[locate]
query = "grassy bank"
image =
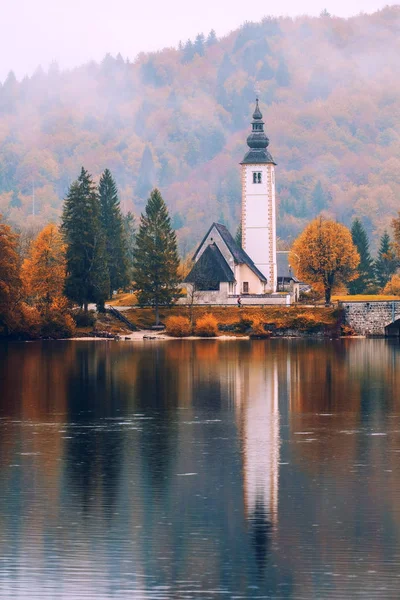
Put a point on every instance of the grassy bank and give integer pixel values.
(231, 318)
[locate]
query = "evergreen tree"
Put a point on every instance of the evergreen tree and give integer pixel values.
(15, 201)
(87, 274)
(188, 52)
(146, 177)
(111, 220)
(386, 263)
(155, 263)
(238, 235)
(365, 268)
(198, 46)
(128, 222)
(282, 74)
(211, 38)
(318, 197)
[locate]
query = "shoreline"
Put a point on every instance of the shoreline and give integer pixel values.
(149, 335)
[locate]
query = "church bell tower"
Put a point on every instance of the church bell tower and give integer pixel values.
(258, 202)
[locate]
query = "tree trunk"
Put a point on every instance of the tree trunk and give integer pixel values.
(328, 292)
(157, 314)
(85, 308)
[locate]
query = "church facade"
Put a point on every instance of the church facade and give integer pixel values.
(223, 270)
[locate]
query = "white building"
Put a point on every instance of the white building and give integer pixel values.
(222, 269)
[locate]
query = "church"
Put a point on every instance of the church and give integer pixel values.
(223, 270)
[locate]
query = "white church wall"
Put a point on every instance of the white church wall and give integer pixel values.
(244, 274)
(259, 219)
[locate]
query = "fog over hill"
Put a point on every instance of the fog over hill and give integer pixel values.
(179, 118)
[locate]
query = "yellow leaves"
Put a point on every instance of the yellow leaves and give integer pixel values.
(393, 286)
(43, 273)
(325, 254)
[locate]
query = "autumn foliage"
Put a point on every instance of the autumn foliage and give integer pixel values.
(178, 326)
(179, 118)
(324, 255)
(10, 283)
(206, 326)
(43, 273)
(393, 286)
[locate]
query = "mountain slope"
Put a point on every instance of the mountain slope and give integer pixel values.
(179, 119)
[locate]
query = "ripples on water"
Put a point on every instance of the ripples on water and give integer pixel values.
(208, 469)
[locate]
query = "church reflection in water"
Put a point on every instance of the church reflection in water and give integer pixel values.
(206, 463)
(256, 397)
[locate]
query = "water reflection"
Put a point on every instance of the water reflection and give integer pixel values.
(250, 469)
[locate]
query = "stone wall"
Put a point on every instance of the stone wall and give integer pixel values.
(370, 318)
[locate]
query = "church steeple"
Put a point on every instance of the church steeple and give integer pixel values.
(258, 202)
(257, 141)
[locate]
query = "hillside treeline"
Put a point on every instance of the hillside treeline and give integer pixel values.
(178, 119)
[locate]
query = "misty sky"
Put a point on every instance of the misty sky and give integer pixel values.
(36, 32)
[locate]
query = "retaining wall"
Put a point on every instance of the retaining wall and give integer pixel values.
(370, 318)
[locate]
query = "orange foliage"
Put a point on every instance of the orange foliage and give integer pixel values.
(178, 326)
(393, 286)
(43, 272)
(9, 277)
(324, 254)
(206, 326)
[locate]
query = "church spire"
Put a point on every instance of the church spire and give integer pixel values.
(257, 141)
(257, 113)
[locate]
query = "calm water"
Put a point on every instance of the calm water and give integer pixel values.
(207, 469)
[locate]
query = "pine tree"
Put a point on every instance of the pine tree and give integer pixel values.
(113, 228)
(211, 38)
(146, 178)
(318, 197)
(198, 46)
(282, 75)
(386, 263)
(87, 277)
(365, 268)
(156, 261)
(128, 222)
(238, 235)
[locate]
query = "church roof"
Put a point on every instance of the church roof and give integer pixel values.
(211, 268)
(282, 266)
(239, 255)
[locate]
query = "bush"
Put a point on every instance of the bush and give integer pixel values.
(206, 326)
(258, 330)
(393, 286)
(178, 326)
(83, 319)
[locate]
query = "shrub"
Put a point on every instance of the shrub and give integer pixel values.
(178, 326)
(393, 286)
(346, 330)
(244, 324)
(83, 319)
(206, 326)
(258, 330)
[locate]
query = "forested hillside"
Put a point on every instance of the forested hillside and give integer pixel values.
(329, 89)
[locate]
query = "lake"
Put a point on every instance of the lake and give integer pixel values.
(200, 469)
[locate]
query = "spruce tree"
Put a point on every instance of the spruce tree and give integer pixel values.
(112, 223)
(156, 261)
(147, 174)
(87, 277)
(386, 263)
(238, 235)
(365, 269)
(128, 222)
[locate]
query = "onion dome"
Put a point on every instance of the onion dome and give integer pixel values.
(257, 141)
